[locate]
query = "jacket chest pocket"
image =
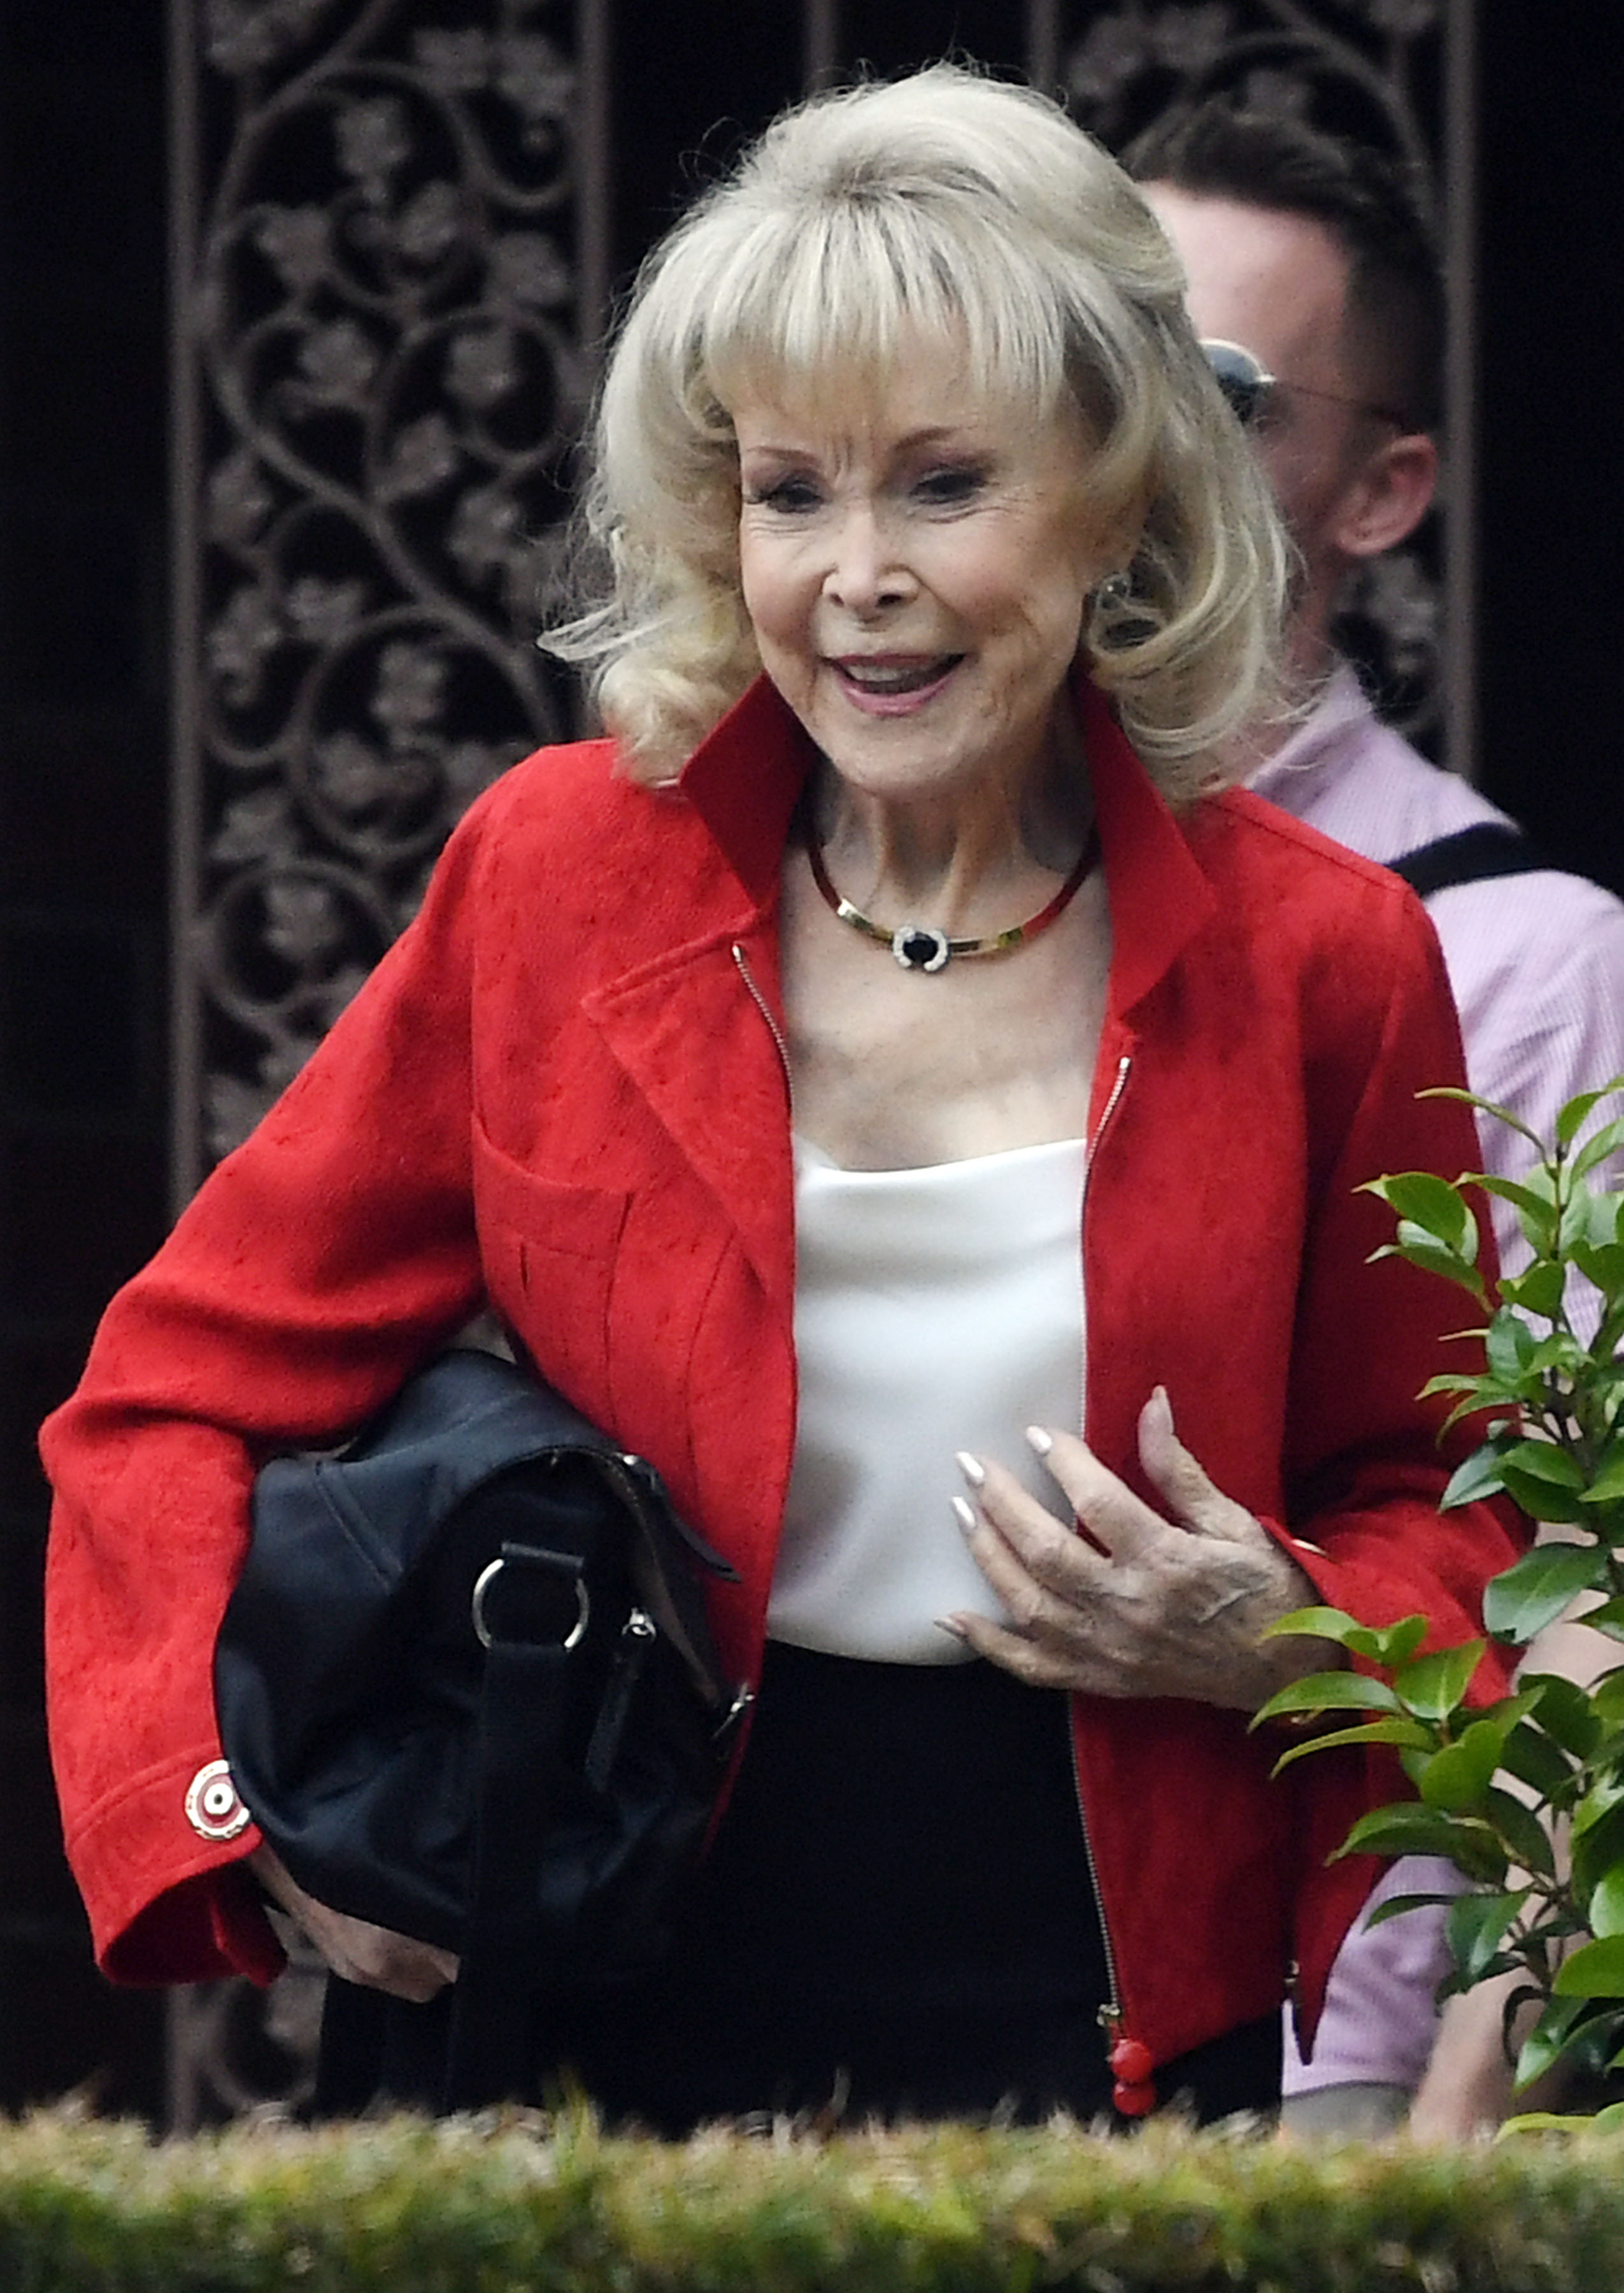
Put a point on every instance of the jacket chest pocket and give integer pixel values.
(549, 1249)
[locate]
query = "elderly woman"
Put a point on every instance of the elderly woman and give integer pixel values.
(888, 1085)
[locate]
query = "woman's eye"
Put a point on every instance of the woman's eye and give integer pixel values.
(789, 496)
(947, 489)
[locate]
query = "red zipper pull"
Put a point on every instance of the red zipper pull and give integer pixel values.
(1132, 2067)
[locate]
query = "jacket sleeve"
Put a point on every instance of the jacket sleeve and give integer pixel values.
(314, 1269)
(1365, 1462)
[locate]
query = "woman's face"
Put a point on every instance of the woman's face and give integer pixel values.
(914, 565)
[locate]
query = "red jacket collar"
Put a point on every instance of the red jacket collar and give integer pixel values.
(746, 776)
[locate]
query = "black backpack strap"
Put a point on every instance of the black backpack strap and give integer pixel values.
(1469, 856)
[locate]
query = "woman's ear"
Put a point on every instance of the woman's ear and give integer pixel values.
(1391, 494)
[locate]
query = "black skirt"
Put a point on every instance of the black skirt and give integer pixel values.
(896, 1920)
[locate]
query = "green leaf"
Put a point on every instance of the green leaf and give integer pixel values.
(1407, 1733)
(1329, 1691)
(1596, 1970)
(1509, 1345)
(1540, 1290)
(1458, 1777)
(1559, 1354)
(1532, 1202)
(1433, 1686)
(1604, 1226)
(1605, 1908)
(1596, 1830)
(1542, 1500)
(1476, 1476)
(1413, 1244)
(1603, 1801)
(1607, 1697)
(1537, 1589)
(1572, 1115)
(1421, 1199)
(1462, 1380)
(1533, 1758)
(1573, 1229)
(1382, 1644)
(1397, 1907)
(1523, 1833)
(1607, 1483)
(1407, 1829)
(1601, 1143)
(1566, 1711)
(1597, 1837)
(1558, 2027)
(1602, 1263)
(1476, 1926)
(1484, 1106)
(1545, 1461)
(1608, 1618)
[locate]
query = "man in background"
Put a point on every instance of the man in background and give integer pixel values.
(1314, 281)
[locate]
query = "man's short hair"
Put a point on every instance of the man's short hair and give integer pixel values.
(1366, 200)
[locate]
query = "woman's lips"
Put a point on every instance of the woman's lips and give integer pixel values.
(893, 685)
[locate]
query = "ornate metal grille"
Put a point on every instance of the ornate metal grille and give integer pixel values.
(389, 258)
(391, 265)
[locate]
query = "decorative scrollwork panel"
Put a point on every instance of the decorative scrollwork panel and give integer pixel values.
(389, 225)
(385, 324)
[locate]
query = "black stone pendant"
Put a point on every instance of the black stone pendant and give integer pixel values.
(917, 947)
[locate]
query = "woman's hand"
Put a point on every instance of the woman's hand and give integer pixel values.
(1169, 1606)
(354, 1948)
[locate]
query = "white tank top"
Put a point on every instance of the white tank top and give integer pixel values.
(936, 1309)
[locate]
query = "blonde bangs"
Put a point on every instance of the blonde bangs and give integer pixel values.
(841, 303)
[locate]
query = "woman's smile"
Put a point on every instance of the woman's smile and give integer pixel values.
(894, 684)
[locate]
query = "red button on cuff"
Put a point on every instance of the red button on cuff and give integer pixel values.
(214, 1807)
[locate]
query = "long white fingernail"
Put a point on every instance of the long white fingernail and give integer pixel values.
(972, 1468)
(951, 1626)
(964, 1516)
(1039, 1440)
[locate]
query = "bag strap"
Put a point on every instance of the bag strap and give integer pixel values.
(520, 1779)
(1470, 856)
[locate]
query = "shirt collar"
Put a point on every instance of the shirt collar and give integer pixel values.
(1316, 746)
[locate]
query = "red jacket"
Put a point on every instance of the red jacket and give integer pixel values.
(564, 1085)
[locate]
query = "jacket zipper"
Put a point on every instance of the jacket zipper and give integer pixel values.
(1134, 2092)
(742, 963)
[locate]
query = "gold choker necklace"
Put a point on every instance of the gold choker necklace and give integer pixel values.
(921, 947)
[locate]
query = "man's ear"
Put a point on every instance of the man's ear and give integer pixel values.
(1386, 501)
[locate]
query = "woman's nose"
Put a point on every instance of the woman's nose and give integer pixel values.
(866, 570)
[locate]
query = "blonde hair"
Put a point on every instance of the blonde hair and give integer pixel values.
(951, 207)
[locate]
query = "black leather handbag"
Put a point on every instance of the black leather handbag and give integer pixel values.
(466, 1687)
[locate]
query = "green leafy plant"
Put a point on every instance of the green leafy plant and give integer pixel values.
(1524, 1795)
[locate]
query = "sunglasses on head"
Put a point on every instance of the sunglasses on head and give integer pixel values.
(1248, 384)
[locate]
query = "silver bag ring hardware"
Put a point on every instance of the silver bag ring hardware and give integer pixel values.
(214, 1807)
(488, 1577)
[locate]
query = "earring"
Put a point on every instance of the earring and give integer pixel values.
(1113, 592)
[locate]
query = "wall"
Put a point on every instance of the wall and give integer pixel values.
(82, 832)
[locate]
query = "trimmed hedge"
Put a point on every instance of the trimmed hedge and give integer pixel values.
(512, 2204)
